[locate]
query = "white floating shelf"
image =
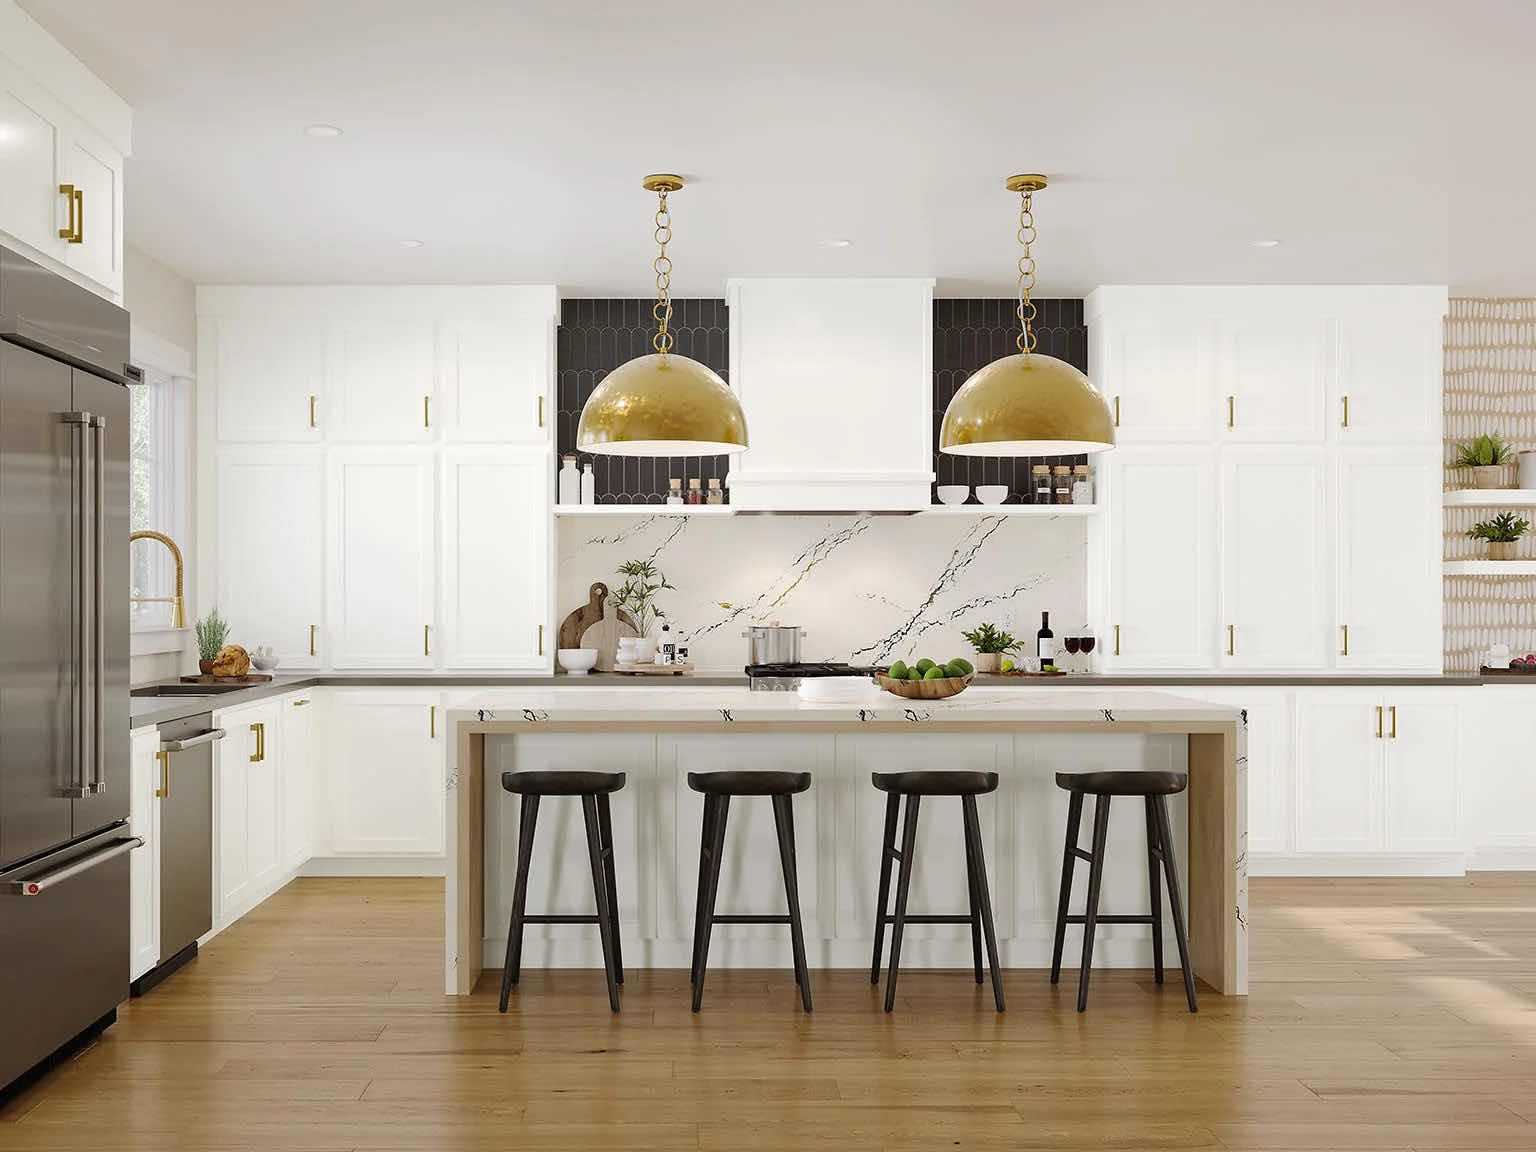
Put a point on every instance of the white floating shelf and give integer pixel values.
(643, 510)
(1491, 498)
(1043, 510)
(1490, 568)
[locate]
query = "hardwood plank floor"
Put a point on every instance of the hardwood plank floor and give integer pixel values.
(1385, 1014)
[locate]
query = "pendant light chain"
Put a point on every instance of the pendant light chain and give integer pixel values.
(662, 311)
(1026, 310)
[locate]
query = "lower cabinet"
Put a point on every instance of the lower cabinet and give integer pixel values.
(385, 763)
(247, 803)
(144, 863)
(297, 784)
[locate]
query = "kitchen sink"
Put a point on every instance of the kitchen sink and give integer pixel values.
(187, 689)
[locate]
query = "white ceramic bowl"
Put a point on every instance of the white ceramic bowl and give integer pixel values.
(954, 493)
(577, 661)
(992, 493)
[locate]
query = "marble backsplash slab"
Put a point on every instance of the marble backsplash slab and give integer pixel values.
(866, 589)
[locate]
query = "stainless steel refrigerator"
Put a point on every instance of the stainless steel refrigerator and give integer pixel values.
(64, 774)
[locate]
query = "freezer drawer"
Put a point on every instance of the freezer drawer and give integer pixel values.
(64, 921)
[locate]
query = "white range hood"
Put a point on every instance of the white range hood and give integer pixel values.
(836, 379)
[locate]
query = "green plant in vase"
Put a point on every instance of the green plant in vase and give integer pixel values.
(212, 632)
(637, 596)
(1486, 455)
(1502, 533)
(990, 643)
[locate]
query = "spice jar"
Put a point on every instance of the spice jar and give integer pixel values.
(716, 496)
(1040, 481)
(1082, 485)
(674, 491)
(695, 493)
(1063, 487)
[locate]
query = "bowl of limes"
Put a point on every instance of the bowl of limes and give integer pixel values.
(927, 679)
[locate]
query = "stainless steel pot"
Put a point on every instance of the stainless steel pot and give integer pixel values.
(773, 644)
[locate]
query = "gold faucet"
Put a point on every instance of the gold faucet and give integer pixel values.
(179, 608)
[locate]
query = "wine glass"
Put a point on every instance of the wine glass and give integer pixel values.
(1086, 641)
(1070, 642)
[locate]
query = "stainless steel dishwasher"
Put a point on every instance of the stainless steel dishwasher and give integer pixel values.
(185, 791)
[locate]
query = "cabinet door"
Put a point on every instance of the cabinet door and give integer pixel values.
(1274, 377)
(1271, 776)
(271, 531)
(382, 378)
(1339, 770)
(266, 371)
(31, 208)
(1274, 556)
(1163, 573)
(298, 780)
(1423, 779)
(1388, 547)
(1391, 372)
(263, 798)
(247, 800)
(496, 372)
(144, 863)
(96, 171)
(1157, 376)
(381, 558)
(496, 529)
(386, 773)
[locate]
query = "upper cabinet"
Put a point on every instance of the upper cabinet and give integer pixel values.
(63, 139)
(1390, 374)
(262, 369)
(1158, 374)
(496, 367)
(1273, 375)
(381, 379)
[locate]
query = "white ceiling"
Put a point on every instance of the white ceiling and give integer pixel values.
(1380, 140)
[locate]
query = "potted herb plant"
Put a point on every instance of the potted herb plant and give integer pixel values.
(1486, 455)
(212, 631)
(1503, 534)
(637, 596)
(990, 643)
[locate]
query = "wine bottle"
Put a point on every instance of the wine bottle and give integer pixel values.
(1045, 641)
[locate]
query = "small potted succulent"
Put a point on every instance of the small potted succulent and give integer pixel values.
(637, 596)
(1487, 456)
(990, 644)
(1503, 534)
(212, 631)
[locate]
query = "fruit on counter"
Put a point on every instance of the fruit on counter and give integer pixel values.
(914, 673)
(1007, 664)
(936, 673)
(898, 670)
(923, 665)
(960, 666)
(232, 660)
(927, 669)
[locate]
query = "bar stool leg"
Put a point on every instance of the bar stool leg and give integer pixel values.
(716, 852)
(970, 883)
(887, 846)
(605, 827)
(604, 922)
(527, 816)
(1068, 862)
(979, 874)
(1154, 869)
(784, 824)
(1175, 901)
(1095, 879)
(903, 885)
(706, 839)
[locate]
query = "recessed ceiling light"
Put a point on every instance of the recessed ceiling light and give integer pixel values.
(1264, 243)
(411, 243)
(837, 243)
(322, 131)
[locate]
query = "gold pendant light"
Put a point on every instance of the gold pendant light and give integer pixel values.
(1028, 404)
(662, 404)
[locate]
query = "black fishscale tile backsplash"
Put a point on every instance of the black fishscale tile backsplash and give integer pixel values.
(596, 336)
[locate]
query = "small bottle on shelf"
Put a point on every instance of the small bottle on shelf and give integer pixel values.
(716, 494)
(695, 493)
(1041, 482)
(1063, 484)
(1082, 485)
(569, 489)
(674, 491)
(588, 485)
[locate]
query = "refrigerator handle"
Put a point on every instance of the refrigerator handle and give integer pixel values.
(98, 627)
(40, 884)
(84, 719)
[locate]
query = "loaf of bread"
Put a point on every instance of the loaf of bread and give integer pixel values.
(232, 660)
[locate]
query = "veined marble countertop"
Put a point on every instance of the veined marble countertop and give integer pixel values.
(702, 705)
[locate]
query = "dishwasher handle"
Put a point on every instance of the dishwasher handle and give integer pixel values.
(201, 738)
(40, 884)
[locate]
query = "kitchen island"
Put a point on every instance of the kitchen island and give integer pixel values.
(658, 735)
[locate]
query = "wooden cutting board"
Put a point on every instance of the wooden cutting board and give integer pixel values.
(597, 624)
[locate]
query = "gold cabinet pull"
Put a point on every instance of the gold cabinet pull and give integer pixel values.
(1346, 411)
(312, 639)
(426, 411)
(1378, 721)
(1231, 640)
(426, 639)
(432, 721)
(1117, 639)
(165, 775)
(1345, 628)
(260, 732)
(312, 423)
(1117, 411)
(1231, 411)
(541, 639)
(1393, 710)
(79, 217)
(73, 200)
(300, 703)
(541, 411)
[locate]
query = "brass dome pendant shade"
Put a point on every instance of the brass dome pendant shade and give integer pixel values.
(1027, 404)
(662, 404)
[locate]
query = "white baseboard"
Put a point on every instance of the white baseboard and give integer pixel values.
(375, 866)
(1360, 864)
(1515, 858)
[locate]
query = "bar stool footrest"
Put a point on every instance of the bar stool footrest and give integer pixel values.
(560, 918)
(748, 918)
(1105, 918)
(921, 918)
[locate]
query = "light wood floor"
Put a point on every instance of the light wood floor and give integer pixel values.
(1384, 1015)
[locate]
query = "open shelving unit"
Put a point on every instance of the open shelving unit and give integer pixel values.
(1491, 498)
(1044, 511)
(644, 510)
(1490, 568)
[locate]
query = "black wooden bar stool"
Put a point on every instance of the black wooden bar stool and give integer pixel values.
(718, 788)
(593, 788)
(1155, 788)
(914, 786)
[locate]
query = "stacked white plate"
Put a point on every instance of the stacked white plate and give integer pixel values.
(839, 690)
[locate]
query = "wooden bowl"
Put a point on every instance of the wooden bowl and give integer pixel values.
(926, 689)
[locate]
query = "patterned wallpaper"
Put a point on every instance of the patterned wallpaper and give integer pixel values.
(1490, 386)
(596, 336)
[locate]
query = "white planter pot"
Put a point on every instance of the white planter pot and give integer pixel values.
(988, 662)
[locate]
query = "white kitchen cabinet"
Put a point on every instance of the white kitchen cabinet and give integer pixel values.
(144, 863)
(1162, 508)
(1271, 772)
(1387, 549)
(497, 367)
(297, 767)
(1422, 773)
(1274, 373)
(1274, 558)
(1390, 379)
(386, 771)
(495, 577)
(1340, 735)
(271, 549)
(30, 148)
(263, 366)
(95, 171)
(381, 376)
(247, 803)
(381, 537)
(1157, 373)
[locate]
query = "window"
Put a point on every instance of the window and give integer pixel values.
(158, 490)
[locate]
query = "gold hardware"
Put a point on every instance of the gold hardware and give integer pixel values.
(1117, 411)
(312, 423)
(426, 639)
(312, 639)
(1026, 186)
(1378, 722)
(1117, 639)
(541, 639)
(1231, 640)
(260, 732)
(1231, 411)
(1346, 411)
(1346, 640)
(70, 232)
(79, 217)
(432, 721)
(541, 411)
(426, 411)
(300, 703)
(165, 775)
(177, 601)
(1393, 710)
